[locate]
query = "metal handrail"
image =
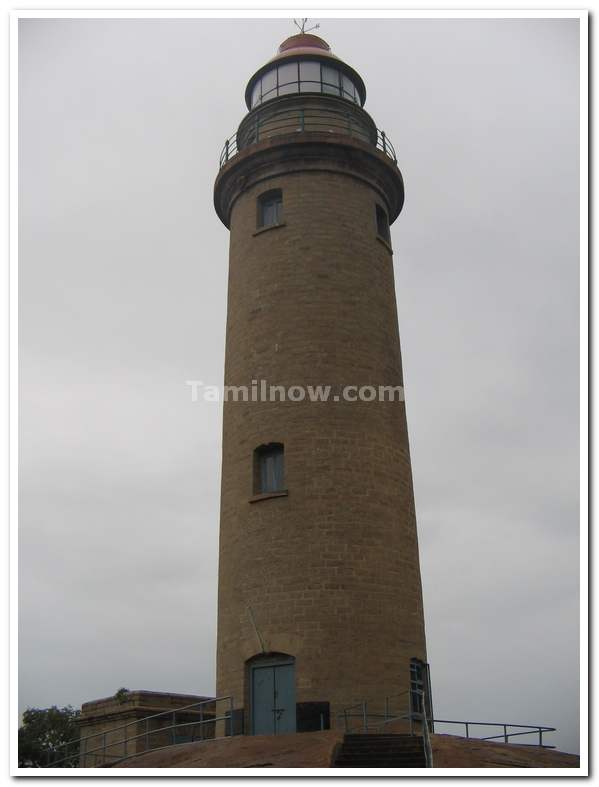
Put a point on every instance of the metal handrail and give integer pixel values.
(146, 734)
(298, 120)
(530, 729)
(428, 749)
(411, 716)
(380, 719)
(145, 719)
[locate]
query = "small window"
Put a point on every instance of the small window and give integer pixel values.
(420, 689)
(269, 468)
(270, 208)
(416, 685)
(382, 224)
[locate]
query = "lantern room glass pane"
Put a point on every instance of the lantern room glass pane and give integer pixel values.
(309, 77)
(256, 92)
(330, 80)
(288, 79)
(348, 88)
(269, 84)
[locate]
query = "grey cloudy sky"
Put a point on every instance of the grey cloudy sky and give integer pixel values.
(123, 275)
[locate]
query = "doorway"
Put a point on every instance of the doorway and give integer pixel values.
(272, 695)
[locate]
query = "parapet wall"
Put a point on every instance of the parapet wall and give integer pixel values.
(111, 729)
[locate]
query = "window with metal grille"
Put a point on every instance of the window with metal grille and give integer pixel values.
(270, 208)
(269, 468)
(421, 700)
(416, 684)
(382, 224)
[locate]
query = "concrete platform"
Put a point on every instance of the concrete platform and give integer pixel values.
(317, 750)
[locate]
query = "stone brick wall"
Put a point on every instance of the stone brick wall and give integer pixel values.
(331, 570)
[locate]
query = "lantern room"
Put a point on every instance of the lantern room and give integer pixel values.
(305, 64)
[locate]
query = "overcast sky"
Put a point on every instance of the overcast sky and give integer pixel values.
(123, 275)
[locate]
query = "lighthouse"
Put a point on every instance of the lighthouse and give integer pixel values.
(320, 598)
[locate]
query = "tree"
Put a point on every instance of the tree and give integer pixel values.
(43, 731)
(122, 695)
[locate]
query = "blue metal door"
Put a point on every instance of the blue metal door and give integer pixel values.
(273, 699)
(284, 710)
(263, 689)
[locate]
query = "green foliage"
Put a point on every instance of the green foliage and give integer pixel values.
(43, 731)
(122, 695)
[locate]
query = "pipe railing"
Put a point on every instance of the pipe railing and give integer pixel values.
(369, 721)
(83, 753)
(388, 716)
(504, 736)
(426, 736)
(297, 120)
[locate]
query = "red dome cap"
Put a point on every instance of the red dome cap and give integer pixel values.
(304, 40)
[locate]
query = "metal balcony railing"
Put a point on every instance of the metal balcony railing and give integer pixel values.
(328, 120)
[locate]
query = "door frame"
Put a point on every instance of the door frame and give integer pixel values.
(258, 662)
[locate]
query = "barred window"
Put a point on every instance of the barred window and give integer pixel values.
(382, 224)
(269, 468)
(270, 208)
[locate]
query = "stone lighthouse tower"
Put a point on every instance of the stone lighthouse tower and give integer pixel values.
(320, 600)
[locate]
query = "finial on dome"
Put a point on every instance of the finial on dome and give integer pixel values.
(301, 25)
(303, 39)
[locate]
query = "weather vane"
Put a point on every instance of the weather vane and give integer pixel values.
(302, 27)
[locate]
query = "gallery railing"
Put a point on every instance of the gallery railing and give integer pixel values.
(299, 119)
(77, 753)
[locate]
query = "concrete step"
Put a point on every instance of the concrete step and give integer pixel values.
(396, 739)
(375, 736)
(369, 763)
(376, 755)
(380, 736)
(381, 751)
(386, 753)
(382, 747)
(410, 744)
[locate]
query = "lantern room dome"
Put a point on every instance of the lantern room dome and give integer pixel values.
(304, 63)
(302, 40)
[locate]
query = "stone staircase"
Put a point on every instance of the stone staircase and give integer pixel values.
(381, 751)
